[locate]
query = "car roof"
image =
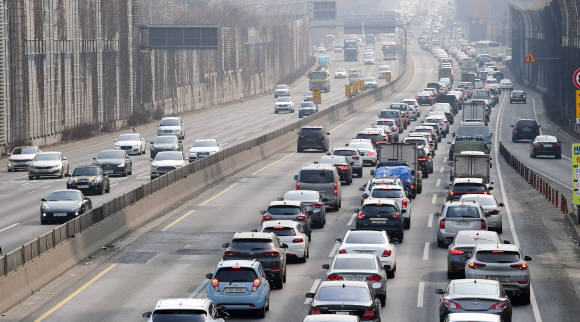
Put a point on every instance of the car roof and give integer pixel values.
(387, 187)
(498, 247)
(181, 303)
(331, 318)
(318, 166)
(345, 148)
(470, 203)
(250, 235)
(50, 152)
(312, 127)
(480, 232)
(468, 180)
(296, 203)
(280, 223)
(383, 201)
(471, 280)
(345, 283)
(170, 118)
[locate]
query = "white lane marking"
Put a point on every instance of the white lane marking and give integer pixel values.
(236, 124)
(13, 225)
(274, 123)
(426, 251)
(289, 117)
(251, 119)
(434, 198)
(420, 295)
(11, 180)
(143, 174)
(203, 293)
(257, 130)
(241, 137)
(218, 131)
(38, 190)
(498, 123)
(193, 127)
(266, 114)
(199, 138)
(114, 184)
(199, 288)
(313, 289)
(441, 170)
(438, 182)
(351, 219)
(334, 250)
(225, 143)
(445, 159)
(430, 222)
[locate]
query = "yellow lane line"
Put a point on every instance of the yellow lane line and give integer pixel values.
(219, 194)
(70, 297)
(342, 124)
(177, 220)
(271, 164)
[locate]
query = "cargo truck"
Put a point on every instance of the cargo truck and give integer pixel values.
(393, 154)
(324, 62)
(350, 50)
(471, 164)
(319, 78)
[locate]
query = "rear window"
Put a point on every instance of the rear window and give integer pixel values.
(339, 294)
(355, 263)
(230, 274)
(497, 256)
(347, 153)
(472, 289)
(373, 137)
(462, 212)
(374, 210)
(468, 187)
(283, 211)
(527, 123)
(365, 238)
(389, 123)
(476, 239)
(389, 114)
(316, 176)
(400, 107)
(418, 141)
(280, 231)
(252, 244)
(382, 193)
(311, 131)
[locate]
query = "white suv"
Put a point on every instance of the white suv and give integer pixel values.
(352, 155)
(202, 310)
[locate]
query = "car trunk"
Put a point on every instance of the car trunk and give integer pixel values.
(453, 225)
(498, 266)
(354, 274)
(238, 281)
(475, 303)
(342, 309)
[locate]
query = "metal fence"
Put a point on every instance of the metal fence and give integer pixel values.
(19, 257)
(552, 35)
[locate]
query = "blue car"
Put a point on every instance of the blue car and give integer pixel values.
(240, 285)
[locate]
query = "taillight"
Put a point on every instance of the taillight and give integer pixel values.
(483, 224)
(361, 215)
(336, 188)
(356, 157)
(297, 185)
(386, 253)
(301, 218)
(394, 127)
(475, 265)
(216, 284)
(377, 142)
(405, 202)
(396, 216)
(538, 144)
(452, 193)
(522, 267)
(451, 305)
(342, 251)
(430, 97)
(316, 205)
(418, 97)
(494, 212)
(370, 154)
(334, 277)
(267, 217)
(257, 283)
(430, 157)
(516, 129)
(298, 240)
(321, 136)
(422, 159)
(442, 223)
(316, 311)
(301, 136)
(231, 253)
(556, 144)
(499, 306)
(272, 253)
(374, 278)
(524, 96)
(342, 167)
(457, 252)
(511, 96)
(369, 314)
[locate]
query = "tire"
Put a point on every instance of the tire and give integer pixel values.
(108, 188)
(303, 259)
(514, 139)
(299, 149)
(43, 222)
(275, 112)
(309, 239)
(431, 171)
(261, 313)
(124, 173)
(407, 223)
(30, 177)
(152, 178)
(335, 208)
(284, 277)
(391, 273)
(525, 298)
(533, 155)
(511, 102)
(279, 284)
(425, 174)
(101, 191)
(131, 171)
(9, 170)
(360, 173)
(268, 306)
(61, 175)
(524, 102)
(559, 156)
(348, 181)
(383, 299)
(499, 230)
(452, 275)
(440, 243)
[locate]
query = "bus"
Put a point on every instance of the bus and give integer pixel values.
(389, 50)
(481, 47)
(493, 49)
(329, 42)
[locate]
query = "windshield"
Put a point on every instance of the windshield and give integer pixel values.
(284, 211)
(355, 263)
(65, 195)
(475, 289)
(474, 239)
(384, 193)
(365, 238)
(361, 145)
(179, 315)
(341, 294)
(341, 71)
(316, 176)
(281, 86)
(370, 79)
(110, 155)
(307, 104)
(129, 137)
(204, 144)
(354, 75)
(169, 122)
(163, 156)
(389, 114)
(418, 141)
(400, 107)
(347, 153)
(166, 140)
(378, 209)
(47, 157)
(24, 151)
(385, 69)
(238, 274)
(462, 212)
(88, 171)
(390, 123)
(284, 99)
(372, 137)
(318, 75)
(280, 231)
(497, 256)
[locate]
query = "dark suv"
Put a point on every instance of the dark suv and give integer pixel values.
(313, 137)
(265, 248)
(525, 129)
(383, 214)
(289, 210)
(518, 96)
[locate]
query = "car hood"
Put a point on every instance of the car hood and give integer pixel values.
(163, 146)
(109, 161)
(63, 205)
(27, 157)
(168, 163)
(46, 163)
(283, 103)
(371, 83)
(166, 127)
(84, 178)
(204, 149)
(128, 143)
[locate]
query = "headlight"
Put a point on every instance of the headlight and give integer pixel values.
(121, 165)
(153, 166)
(116, 145)
(76, 207)
(96, 180)
(45, 207)
(71, 181)
(56, 166)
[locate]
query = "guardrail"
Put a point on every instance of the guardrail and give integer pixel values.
(534, 179)
(18, 258)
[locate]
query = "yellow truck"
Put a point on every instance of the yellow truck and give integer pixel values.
(319, 78)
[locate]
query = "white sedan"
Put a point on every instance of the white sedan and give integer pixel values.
(366, 149)
(340, 73)
(506, 84)
(131, 143)
(369, 60)
(290, 233)
(371, 242)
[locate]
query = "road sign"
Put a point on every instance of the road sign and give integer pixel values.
(361, 85)
(530, 58)
(576, 172)
(499, 38)
(355, 87)
(481, 21)
(347, 91)
(316, 96)
(577, 78)
(388, 76)
(486, 22)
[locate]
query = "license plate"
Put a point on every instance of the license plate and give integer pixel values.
(548, 145)
(527, 130)
(235, 290)
(343, 313)
(358, 279)
(364, 252)
(59, 214)
(462, 223)
(498, 278)
(83, 187)
(108, 171)
(379, 220)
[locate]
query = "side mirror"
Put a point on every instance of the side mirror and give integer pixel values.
(94, 158)
(209, 276)
(310, 295)
(352, 163)
(296, 177)
(226, 245)
(327, 133)
(346, 144)
(310, 212)
(338, 240)
(151, 142)
(453, 135)
(538, 126)
(177, 141)
(262, 212)
(439, 291)
(356, 210)
(115, 140)
(315, 162)
(527, 258)
(506, 241)
(501, 204)
(361, 189)
(365, 195)
(190, 146)
(436, 214)
(412, 172)
(86, 198)
(254, 230)
(403, 211)
(147, 315)
(284, 246)
(372, 172)
(43, 199)
(325, 266)
(512, 125)
(490, 188)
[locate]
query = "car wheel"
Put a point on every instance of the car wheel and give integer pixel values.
(275, 112)
(303, 259)
(30, 177)
(425, 174)
(499, 230)
(525, 298)
(261, 313)
(278, 284)
(309, 239)
(9, 170)
(152, 178)
(335, 208)
(391, 273)
(101, 190)
(451, 275)
(108, 188)
(430, 170)
(360, 172)
(514, 139)
(511, 102)
(441, 243)
(559, 156)
(533, 155)
(383, 299)
(299, 149)
(43, 222)
(524, 102)
(61, 173)
(348, 181)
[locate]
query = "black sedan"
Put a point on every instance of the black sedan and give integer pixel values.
(474, 296)
(518, 96)
(546, 145)
(346, 298)
(115, 162)
(165, 143)
(89, 178)
(62, 205)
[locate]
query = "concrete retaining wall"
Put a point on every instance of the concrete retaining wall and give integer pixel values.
(20, 284)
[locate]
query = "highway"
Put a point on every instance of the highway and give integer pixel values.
(230, 125)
